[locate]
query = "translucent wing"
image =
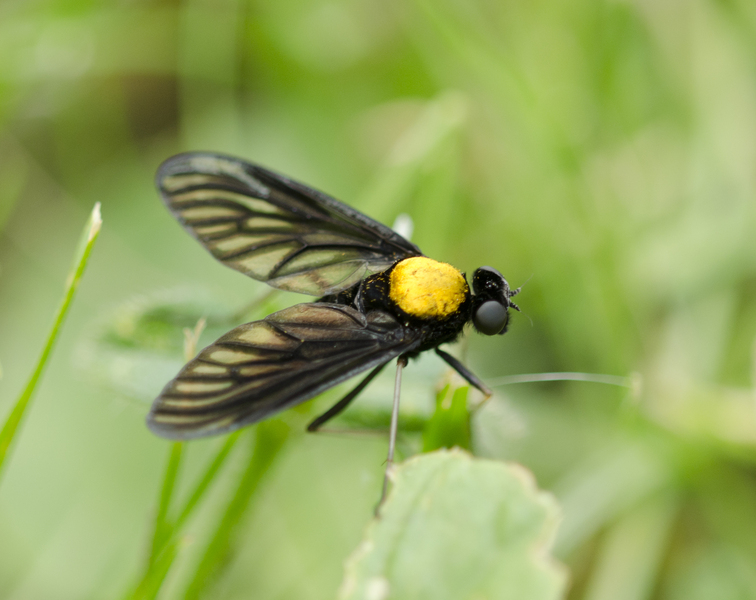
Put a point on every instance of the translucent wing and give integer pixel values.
(266, 366)
(274, 229)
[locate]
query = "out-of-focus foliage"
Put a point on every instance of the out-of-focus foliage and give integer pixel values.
(449, 426)
(599, 152)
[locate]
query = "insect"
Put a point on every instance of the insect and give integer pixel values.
(379, 298)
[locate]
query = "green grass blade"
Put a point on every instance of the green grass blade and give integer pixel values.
(207, 479)
(88, 238)
(153, 578)
(163, 529)
(165, 544)
(270, 437)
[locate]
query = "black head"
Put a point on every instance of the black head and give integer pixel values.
(491, 301)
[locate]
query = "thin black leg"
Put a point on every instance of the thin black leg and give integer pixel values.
(344, 402)
(471, 377)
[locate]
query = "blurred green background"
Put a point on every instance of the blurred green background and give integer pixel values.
(603, 151)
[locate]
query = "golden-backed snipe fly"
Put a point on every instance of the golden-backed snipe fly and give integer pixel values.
(379, 298)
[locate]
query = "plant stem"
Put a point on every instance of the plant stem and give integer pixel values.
(270, 437)
(562, 376)
(206, 480)
(165, 541)
(163, 529)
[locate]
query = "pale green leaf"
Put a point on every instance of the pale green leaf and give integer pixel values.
(457, 527)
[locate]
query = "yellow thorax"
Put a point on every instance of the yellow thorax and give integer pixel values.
(426, 288)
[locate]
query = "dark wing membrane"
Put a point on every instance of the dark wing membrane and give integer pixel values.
(266, 366)
(274, 229)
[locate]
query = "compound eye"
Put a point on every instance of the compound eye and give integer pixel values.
(490, 318)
